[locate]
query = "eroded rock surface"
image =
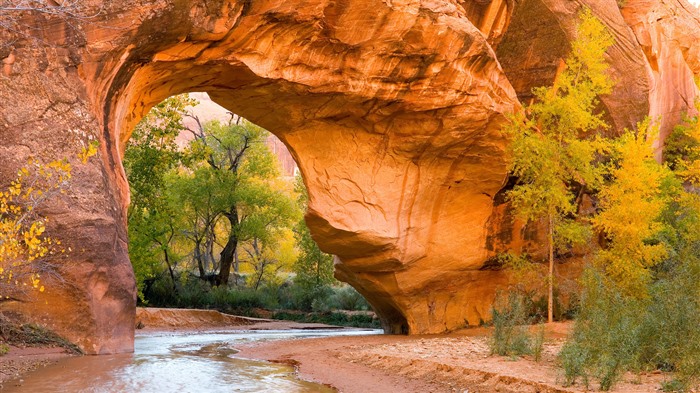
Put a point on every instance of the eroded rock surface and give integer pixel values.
(391, 109)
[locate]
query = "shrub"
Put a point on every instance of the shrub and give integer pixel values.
(331, 318)
(538, 343)
(303, 298)
(605, 336)
(615, 333)
(347, 298)
(510, 330)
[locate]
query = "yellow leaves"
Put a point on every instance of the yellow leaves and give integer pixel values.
(88, 151)
(23, 241)
(631, 205)
(15, 189)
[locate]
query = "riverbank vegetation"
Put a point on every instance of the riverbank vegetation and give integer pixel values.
(639, 295)
(27, 251)
(214, 224)
(14, 331)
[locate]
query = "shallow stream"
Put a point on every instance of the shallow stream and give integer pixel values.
(178, 362)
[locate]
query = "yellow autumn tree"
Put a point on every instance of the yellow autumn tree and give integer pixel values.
(24, 244)
(630, 208)
(554, 144)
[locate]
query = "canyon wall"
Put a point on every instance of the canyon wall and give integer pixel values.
(392, 110)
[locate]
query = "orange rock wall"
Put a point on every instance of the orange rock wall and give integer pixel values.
(391, 108)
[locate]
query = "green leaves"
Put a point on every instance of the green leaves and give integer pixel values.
(682, 150)
(199, 203)
(554, 145)
(152, 153)
(313, 267)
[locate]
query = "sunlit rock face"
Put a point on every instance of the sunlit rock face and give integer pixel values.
(391, 109)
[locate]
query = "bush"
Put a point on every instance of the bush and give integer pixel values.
(339, 298)
(194, 293)
(331, 318)
(605, 336)
(235, 299)
(347, 298)
(510, 327)
(306, 298)
(616, 333)
(538, 343)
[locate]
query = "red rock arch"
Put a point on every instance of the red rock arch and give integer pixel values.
(392, 110)
(389, 126)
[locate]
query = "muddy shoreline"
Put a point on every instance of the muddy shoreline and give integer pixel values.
(20, 361)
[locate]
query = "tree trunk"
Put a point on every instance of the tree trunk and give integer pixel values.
(210, 262)
(229, 250)
(200, 263)
(259, 262)
(170, 269)
(236, 267)
(550, 277)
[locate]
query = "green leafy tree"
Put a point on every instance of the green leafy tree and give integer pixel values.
(152, 216)
(313, 267)
(270, 210)
(554, 144)
(682, 147)
(228, 195)
(640, 304)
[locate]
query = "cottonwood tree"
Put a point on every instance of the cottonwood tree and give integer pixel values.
(554, 143)
(313, 267)
(270, 211)
(229, 196)
(153, 218)
(639, 305)
(630, 209)
(202, 201)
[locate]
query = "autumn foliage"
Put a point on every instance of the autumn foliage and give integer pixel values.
(24, 244)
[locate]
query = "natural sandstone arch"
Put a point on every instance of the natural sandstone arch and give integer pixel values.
(388, 128)
(392, 115)
(391, 109)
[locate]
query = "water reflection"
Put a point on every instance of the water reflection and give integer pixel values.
(177, 362)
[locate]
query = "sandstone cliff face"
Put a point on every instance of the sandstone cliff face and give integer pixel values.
(391, 109)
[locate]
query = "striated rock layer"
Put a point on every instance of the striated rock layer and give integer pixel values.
(391, 109)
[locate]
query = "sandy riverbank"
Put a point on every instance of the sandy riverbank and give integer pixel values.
(458, 362)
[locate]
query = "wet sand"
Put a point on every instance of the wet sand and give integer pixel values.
(19, 361)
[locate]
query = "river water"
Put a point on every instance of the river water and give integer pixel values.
(178, 362)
